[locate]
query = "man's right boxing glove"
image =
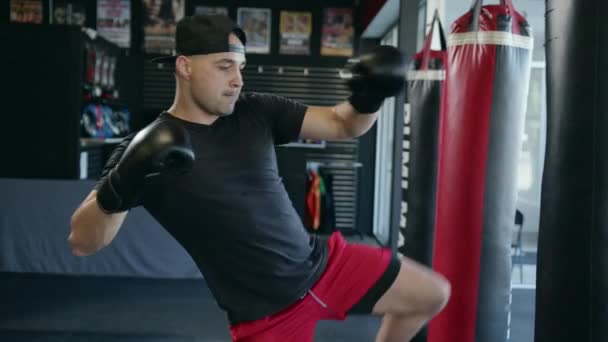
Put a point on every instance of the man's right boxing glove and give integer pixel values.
(163, 146)
(375, 76)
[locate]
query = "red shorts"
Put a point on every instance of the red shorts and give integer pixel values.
(356, 276)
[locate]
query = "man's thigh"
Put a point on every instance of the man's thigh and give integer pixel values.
(416, 290)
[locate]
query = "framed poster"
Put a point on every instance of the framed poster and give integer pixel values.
(114, 21)
(211, 10)
(26, 11)
(68, 13)
(338, 32)
(159, 20)
(295, 30)
(256, 24)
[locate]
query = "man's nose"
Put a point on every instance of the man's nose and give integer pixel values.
(237, 80)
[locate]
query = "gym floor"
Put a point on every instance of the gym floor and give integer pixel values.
(55, 308)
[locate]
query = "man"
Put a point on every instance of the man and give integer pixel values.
(206, 170)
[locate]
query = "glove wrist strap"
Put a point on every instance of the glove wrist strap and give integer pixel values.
(108, 198)
(366, 104)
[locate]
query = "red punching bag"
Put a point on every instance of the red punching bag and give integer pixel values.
(480, 134)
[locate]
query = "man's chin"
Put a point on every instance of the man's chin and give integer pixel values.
(227, 111)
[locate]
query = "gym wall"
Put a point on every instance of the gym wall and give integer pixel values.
(303, 73)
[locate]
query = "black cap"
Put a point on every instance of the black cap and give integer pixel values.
(203, 34)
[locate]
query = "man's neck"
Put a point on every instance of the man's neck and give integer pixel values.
(191, 113)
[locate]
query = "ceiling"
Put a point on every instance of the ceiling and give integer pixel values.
(533, 10)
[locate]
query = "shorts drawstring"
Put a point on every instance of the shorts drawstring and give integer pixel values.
(325, 306)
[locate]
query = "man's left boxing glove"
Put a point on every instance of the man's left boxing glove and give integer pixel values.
(163, 146)
(376, 76)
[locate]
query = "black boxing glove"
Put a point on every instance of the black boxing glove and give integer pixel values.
(162, 147)
(376, 76)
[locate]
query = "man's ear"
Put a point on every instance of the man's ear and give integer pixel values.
(182, 67)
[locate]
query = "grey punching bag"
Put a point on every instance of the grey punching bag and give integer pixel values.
(480, 135)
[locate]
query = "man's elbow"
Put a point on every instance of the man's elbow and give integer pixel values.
(81, 245)
(80, 252)
(351, 132)
(345, 130)
(82, 248)
(353, 129)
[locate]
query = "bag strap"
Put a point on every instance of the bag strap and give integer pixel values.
(476, 8)
(426, 48)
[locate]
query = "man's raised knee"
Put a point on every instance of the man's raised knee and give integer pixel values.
(442, 290)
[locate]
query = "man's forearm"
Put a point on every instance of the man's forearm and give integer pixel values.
(92, 229)
(355, 124)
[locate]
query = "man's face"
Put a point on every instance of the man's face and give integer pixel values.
(216, 79)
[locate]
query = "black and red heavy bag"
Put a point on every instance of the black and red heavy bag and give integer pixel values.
(420, 138)
(480, 136)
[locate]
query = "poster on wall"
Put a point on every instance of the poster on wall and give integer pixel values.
(256, 24)
(26, 11)
(338, 32)
(296, 28)
(114, 21)
(211, 10)
(159, 20)
(68, 13)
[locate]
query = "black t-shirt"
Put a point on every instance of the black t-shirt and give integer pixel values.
(232, 213)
